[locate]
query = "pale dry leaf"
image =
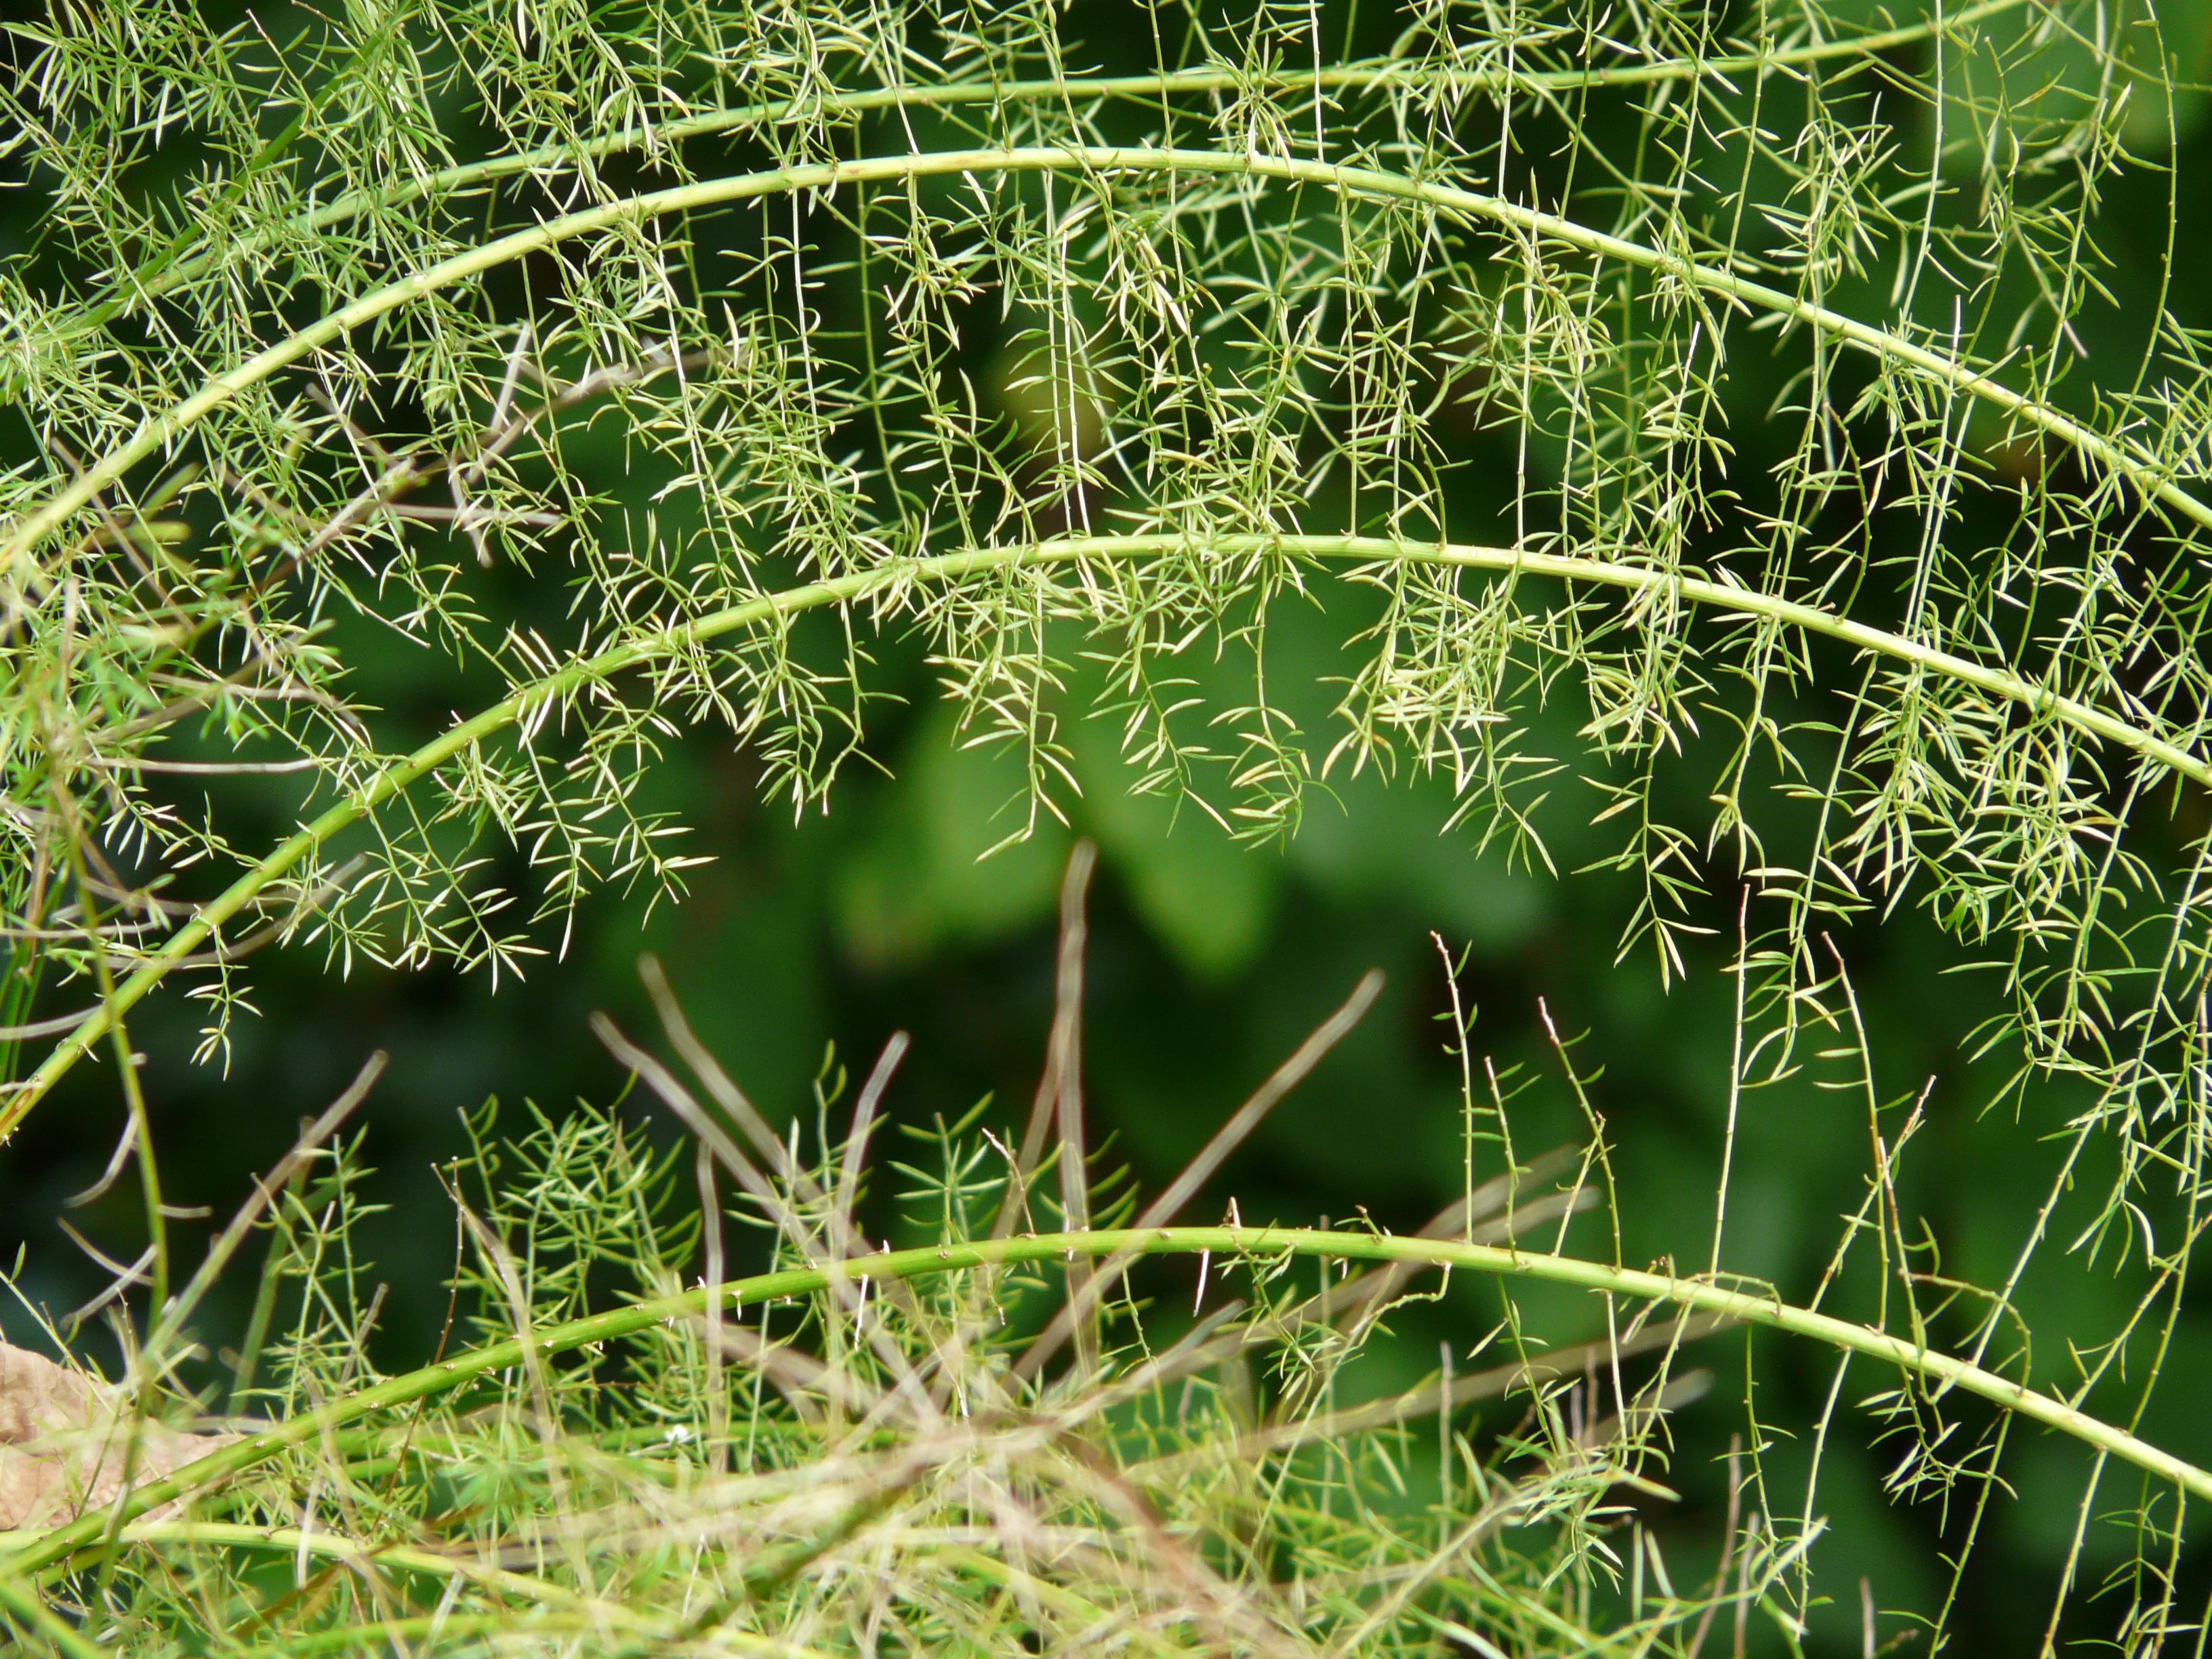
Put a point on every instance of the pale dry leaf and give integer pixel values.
(66, 1440)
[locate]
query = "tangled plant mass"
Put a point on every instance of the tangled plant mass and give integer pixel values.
(1745, 393)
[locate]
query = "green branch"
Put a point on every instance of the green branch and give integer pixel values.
(162, 430)
(59, 1545)
(338, 1547)
(952, 568)
(168, 272)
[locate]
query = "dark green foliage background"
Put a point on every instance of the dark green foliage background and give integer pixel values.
(1209, 961)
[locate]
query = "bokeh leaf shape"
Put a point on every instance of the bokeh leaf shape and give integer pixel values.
(1208, 898)
(937, 867)
(921, 881)
(1366, 842)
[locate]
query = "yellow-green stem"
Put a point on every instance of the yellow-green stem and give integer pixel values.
(163, 430)
(952, 568)
(169, 271)
(61, 1544)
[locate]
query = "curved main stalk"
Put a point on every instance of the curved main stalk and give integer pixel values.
(949, 567)
(1697, 1295)
(169, 272)
(160, 430)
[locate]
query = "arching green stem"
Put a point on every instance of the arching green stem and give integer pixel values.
(952, 568)
(168, 271)
(336, 1546)
(1698, 1295)
(160, 430)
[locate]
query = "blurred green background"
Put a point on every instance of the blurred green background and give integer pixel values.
(1209, 961)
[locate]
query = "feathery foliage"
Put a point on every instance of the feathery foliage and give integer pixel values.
(1668, 386)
